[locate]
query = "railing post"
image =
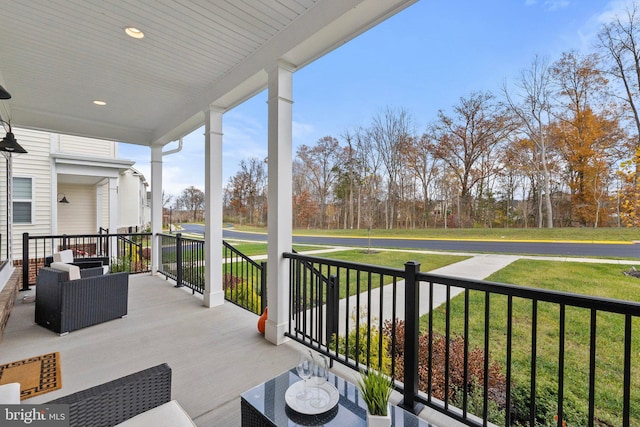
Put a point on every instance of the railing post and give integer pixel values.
(263, 287)
(107, 244)
(25, 262)
(412, 329)
(333, 297)
(179, 260)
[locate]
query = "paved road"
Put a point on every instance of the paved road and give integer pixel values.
(616, 250)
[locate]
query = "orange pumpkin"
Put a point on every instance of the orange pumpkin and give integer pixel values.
(262, 321)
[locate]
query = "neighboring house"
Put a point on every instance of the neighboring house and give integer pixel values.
(135, 209)
(102, 191)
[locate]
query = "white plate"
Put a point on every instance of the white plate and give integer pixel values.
(326, 390)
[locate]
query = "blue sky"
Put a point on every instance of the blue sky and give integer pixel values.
(423, 60)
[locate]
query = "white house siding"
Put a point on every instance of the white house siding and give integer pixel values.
(133, 192)
(79, 215)
(85, 146)
(34, 164)
(88, 207)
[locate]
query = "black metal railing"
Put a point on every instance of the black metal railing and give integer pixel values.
(182, 259)
(244, 280)
(122, 251)
(505, 367)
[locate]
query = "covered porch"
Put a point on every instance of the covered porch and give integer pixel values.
(148, 75)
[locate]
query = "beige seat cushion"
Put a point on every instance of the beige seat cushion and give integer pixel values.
(171, 414)
(73, 270)
(63, 256)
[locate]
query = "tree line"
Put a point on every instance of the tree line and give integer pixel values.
(559, 145)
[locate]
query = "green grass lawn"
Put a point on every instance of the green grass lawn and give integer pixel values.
(506, 234)
(603, 280)
(393, 259)
(260, 248)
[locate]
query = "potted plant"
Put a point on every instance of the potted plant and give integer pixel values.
(376, 388)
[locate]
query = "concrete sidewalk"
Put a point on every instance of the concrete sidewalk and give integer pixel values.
(477, 267)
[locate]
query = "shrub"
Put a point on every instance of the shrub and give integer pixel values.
(237, 291)
(363, 338)
(575, 412)
(475, 370)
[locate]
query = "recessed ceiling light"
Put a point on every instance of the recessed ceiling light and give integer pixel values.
(134, 32)
(98, 102)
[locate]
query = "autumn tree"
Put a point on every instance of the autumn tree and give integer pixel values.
(193, 200)
(304, 209)
(532, 105)
(620, 41)
(586, 138)
(462, 140)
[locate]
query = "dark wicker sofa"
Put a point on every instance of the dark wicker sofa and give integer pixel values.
(109, 404)
(64, 305)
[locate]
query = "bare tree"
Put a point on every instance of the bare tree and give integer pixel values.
(320, 165)
(424, 165)
(193, 200)
(369, 196)
(620, 40)
(534, 111)
(390, 131)
(247, 190)
(462, 140)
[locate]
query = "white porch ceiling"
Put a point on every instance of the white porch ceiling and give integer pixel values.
(57, 56)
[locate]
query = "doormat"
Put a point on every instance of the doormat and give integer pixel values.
(36, 375)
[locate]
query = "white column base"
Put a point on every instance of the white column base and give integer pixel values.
(212, 299)
(274, 333)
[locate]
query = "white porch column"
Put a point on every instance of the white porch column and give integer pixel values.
(114, 210)
(280, 200)
(156, 206)
(213, 293)
(99, 205)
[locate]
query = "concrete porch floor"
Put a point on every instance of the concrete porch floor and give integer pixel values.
(215, 353)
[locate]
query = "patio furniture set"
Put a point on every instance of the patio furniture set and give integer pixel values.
(72, 295)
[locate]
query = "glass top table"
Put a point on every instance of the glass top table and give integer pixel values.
(265, 405)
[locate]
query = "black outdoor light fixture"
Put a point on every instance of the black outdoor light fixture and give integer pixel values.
(4, 94)
(10, 145)
(63, 199)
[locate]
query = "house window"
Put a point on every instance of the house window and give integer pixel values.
(22, 200)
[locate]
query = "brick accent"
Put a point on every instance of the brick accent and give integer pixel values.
(35, 264)
(8, 298)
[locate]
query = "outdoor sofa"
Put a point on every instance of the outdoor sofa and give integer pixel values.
(141, 399)
(67, 256)
(69, 298)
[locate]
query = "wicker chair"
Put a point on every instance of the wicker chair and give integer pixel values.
(64, 305)
(109, 404)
